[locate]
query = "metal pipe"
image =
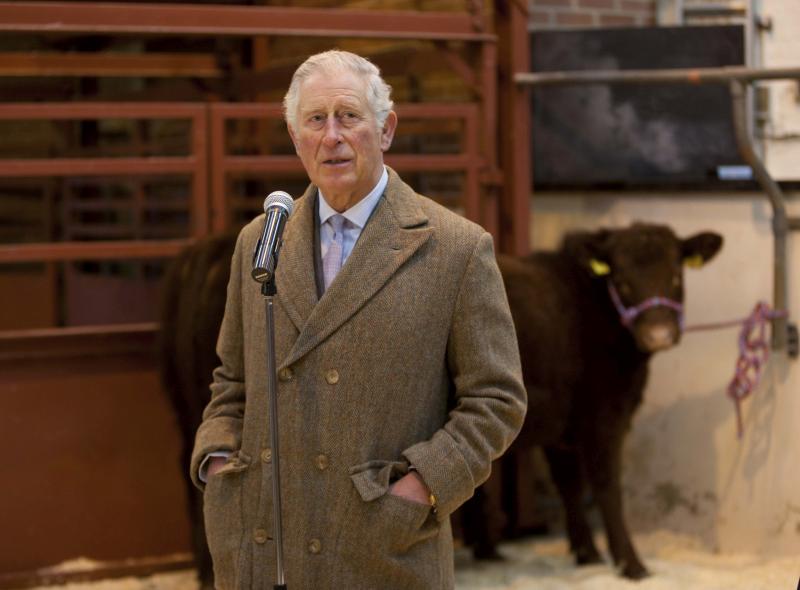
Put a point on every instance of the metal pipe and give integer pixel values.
(780, 225)
(672, 76)
(715, 10)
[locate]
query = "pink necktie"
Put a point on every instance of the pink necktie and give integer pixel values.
(332, 262)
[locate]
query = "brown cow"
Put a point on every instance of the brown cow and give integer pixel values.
(589, 316)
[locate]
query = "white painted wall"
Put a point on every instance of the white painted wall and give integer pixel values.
(685, 468)
(781, 48)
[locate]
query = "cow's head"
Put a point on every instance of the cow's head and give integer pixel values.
(643, 265)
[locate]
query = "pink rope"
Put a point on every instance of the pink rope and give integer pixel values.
(753, 354)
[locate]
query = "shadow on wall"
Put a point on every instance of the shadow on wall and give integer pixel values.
(684, 463)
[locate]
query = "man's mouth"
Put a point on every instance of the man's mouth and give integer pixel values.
(336, 161)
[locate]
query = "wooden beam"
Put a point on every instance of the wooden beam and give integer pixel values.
(149, 65)
(109, 250)
(176, 19)
(514, 126)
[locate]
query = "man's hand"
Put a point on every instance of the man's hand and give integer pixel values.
(214, 465)
(411, 487)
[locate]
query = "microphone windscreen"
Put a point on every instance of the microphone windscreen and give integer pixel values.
(281, 199)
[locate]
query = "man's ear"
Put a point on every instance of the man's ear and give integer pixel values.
(387, 132)
(700, 248)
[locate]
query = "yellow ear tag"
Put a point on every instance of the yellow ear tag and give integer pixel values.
(695, 261)
(599, 267)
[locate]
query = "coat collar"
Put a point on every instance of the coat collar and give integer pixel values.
(398, 228)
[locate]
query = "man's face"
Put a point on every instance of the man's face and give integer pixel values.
(337, 137)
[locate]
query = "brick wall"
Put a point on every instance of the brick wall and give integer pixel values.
(553, 14)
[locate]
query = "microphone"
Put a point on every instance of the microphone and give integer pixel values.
(278, 206)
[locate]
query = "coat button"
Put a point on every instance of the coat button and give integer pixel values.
(285, 374)
(322, 462)
(266, 455)
(314, 546)
(260, 536)
(332, 377)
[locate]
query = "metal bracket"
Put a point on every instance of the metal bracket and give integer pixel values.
(763, 23)
(792, 341)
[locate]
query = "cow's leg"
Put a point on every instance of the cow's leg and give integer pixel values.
(565, 469)
(604, 466)
(483, 520)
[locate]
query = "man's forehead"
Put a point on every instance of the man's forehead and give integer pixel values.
(324, 86)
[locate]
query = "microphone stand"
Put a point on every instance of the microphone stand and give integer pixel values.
(268, 290)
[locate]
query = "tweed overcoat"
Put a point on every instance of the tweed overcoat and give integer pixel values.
(409, 357)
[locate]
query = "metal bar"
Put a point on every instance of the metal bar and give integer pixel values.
(780, 226)
(218, 173)
(98, 166)
(67, 331)
(490, 205)
(432, 162)
(109, 250)
(98, 110)
(274, 439)
(471, 148)
(199, 209)
(262, 164)
(175, 19)
(676, 76)
(151, 65)
(715, 10)
(514, 111)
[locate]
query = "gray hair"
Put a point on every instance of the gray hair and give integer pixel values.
(378, 91)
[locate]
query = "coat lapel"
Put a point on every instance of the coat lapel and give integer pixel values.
(396, 230)
(297, 291)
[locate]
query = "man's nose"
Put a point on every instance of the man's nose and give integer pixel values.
(332, 132)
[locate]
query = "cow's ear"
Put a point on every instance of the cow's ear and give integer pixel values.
(590, 250)
(700, 248)
(594, 252)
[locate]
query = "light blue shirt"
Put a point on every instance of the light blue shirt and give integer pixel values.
(357, 217)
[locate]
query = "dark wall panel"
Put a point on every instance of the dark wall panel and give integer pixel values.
(632, 134)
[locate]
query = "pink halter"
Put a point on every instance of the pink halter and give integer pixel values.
(629, 314)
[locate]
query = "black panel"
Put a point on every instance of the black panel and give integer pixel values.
(630, 134)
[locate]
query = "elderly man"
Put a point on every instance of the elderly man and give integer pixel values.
(399, 377)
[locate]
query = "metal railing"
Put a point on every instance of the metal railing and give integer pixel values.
(468, 160)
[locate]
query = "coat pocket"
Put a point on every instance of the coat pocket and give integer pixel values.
(222, 511)
(390, 522)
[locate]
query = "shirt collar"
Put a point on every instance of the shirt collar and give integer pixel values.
(359, 213)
